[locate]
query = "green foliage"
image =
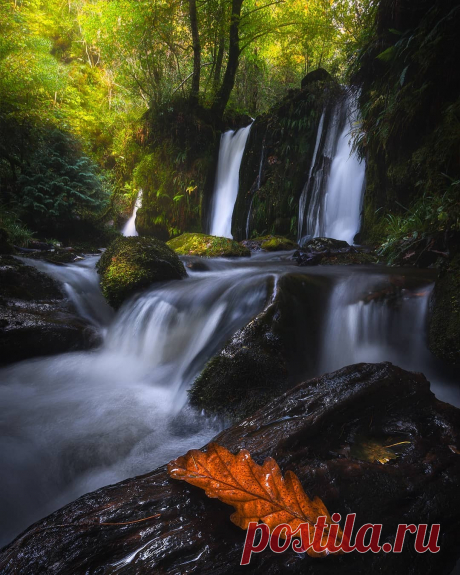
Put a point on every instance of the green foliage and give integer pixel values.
(59, 185)
(428, 216)
(17, 233)
(410, 110)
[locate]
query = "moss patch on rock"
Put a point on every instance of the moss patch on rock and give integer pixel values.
(444, 327)
(207, 246)
(270, 243)
(132, 264)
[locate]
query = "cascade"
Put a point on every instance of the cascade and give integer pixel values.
(231, 151)
(130, 226)
(330, 203)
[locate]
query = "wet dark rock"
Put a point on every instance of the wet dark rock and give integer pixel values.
(322, 244)
(265, 357)
(315, 430)
(328, 251)
(307, 258)
(35, 317)
(318, 75)
(42, 246)
(132, 264)
(197, 266)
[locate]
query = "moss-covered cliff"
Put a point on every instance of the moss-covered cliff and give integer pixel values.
(277, 159)
(410, 106)
(177, 172)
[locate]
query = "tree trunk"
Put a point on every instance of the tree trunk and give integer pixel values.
(228, 81)
(218, 68)
(195, 90)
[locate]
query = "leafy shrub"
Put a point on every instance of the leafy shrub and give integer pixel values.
(59, 185)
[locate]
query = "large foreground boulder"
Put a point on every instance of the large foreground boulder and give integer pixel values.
(36, 318)
(132, 264)
(207, 246)
(325, 430)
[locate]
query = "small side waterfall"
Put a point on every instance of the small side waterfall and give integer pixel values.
(130, 227)
(330, 203)
(259, 180)
(231, 151)
(303, 197)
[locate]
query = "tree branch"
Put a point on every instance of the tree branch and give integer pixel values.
(188, 78)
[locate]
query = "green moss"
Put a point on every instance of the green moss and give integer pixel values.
(444, 328)
(207, 246)
(132, 264)
(276, 243)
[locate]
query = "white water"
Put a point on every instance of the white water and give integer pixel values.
(335, 186)
(75, 422)
(231, 151)
(72, 423)
(130, 226)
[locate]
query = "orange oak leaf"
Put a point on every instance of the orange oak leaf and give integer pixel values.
(257, 492)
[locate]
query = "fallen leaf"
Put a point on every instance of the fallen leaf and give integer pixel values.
(257, 492)
(372, 450)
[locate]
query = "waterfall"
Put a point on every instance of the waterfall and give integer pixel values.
(80, 281)
(330, 204)
(371, 318)
(303, 197)
(231, 151)
(130, 227)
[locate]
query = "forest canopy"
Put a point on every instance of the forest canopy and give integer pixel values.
(92, 69)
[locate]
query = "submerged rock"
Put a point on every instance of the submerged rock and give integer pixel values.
(328, 251)
(207, 246)
(444, 326)
(265, 357)
(132, 264)
(322, 244)
(35, 317)
(270, 244)
(327, 431)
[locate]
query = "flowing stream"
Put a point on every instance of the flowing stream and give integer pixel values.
(130, 226)
(330, 203)
(74, 422)
(231, 151)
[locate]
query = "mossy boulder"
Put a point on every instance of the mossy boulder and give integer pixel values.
(207, 246)
(133, 264)
(270, 243)
(444, 327)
